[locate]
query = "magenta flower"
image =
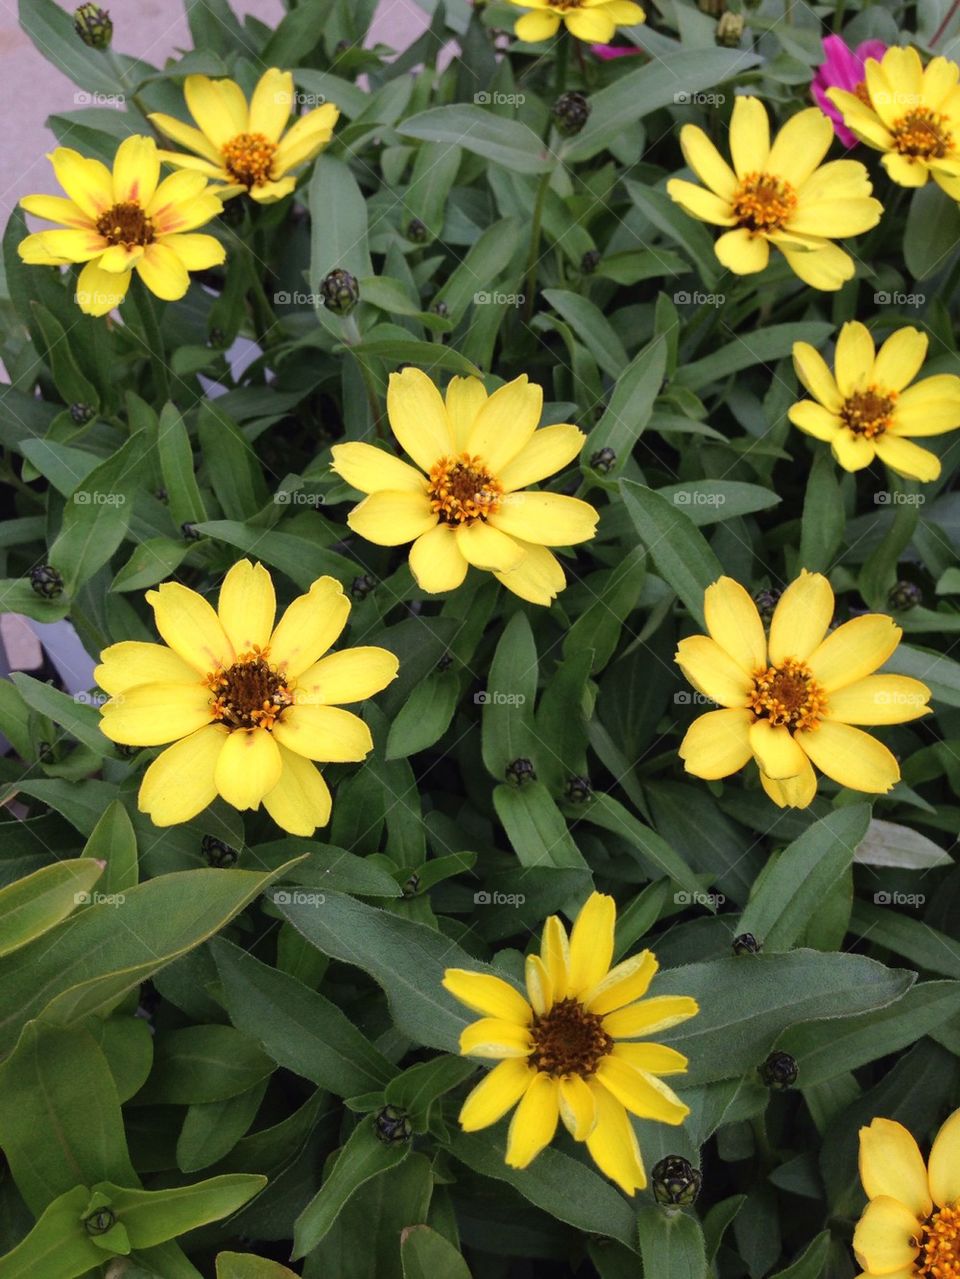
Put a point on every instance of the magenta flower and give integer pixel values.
(843, 68)
(608, 51)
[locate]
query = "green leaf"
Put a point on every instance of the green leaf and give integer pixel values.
(339, 223)
(630, 406)
(932, 231)
(150, 562)
(657, 855)
(889, 844)
(680, 553)
(939, 672)
(70, 382)
(535, 826)
(592, 327)
(57, 1247)
(823, 516)
(203, 1064)
(301, 558)
(76, 714)
(765, 346)
(114, 841)
(184, 499)
(363, 1156)
(671, 1244)
(212, 1129)
(508, 700)
(31, 906)
(507, 142)
(418, 1087)
(425, 716)
(426, 1255)
(707, 501)
(412, 351)
(51, 29)
(151, 1217)
(243, 1265)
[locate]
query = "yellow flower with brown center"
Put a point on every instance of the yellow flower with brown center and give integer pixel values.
(248, 704)
(780, 194)
(594, 20)
(124, 221)
(792, 701)
(911, 1226)
(247, 147)
(464, 506)
(564, 1049)
(867, 406)
(912, 114)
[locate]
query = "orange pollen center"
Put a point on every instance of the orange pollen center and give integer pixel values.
(868, 412)
(463, 490)
(568, 1040)
(922, 132)
(863, 93)
(563, 5)
(126, 224)
(251, 693)
(787, 696)
(763, 202)
(939, 1245)
(248, 158)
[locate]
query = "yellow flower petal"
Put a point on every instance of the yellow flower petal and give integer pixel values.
(829, 267)
(247, 606)
(493, 1037)
(883, 1239)
(578, 1107)
(613, 1143)
(842, 216)
(622, 985)
(547, 452)
(539, 577)
(464, 399)
(248, 767)
(498, 1092)
(749, 135)
(944, 1168)
(900, 359)
(851, 757)
(179, 783)
(436, 561)
(271, 192)
(733, 621)
(800, 146)
(54, 208)
(218, 106)
(815, 420)
(506, 422)
(650, 1016)
(309, 626)
(712, 671)
(120, 259)
(418, 418)
(196, 252)
(136, 171)
(555, 953)
(131, 662)
(271, 104)
(389, 518)
(717, 744)
(153, 714)
(488, 994)
(88, 183)
(300, 801)
(162, 272)
(700, 203)
(743, 252)
(775, 751)
(654, 1059)
(539, 985)
(546, 519)
(190, 627)
(852, 451)
(855, 649)
(534, 1121)
(792, 792)
(100, 292)
(907, 459)
(370, 469)
(814, 372)
(351, 675)
(879, 699)
(485, 547)
(534, 27)
(324, 733)
(891, 1164)
(929, 407)
(707, 163)
(305, 139)
(801, 618)
(185, 135)
(590, 24)
(591, 942)
(854, 358)
(73, 245)
(643, 1095)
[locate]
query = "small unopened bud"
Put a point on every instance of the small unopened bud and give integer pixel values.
(676, 1183)
(92, 24)
(46, 581)
(521, 771)
(81, 413)
(766, 601)
(190, 531)
(779, 1071)
(570, 112)
(99, 1222)
(417, 231)
(218, 854)
(411, 886)
(441, 309)
(578, 790)
(729, 30)
(904, 596)
(603, 460)
(340, 292)
(392, 1126)
(746, 944)
(361, 586)
(590, 261)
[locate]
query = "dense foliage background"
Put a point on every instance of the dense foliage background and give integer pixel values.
(226, 1003)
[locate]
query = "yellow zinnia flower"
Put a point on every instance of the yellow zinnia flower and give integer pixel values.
(248, 704)
(910, 113)
(242, 146)
(562, 1051)
(475, 451)
(869, 408)
(781, 194)
(124, 221)
(594, 20)
(911, 1226)
(792, 701)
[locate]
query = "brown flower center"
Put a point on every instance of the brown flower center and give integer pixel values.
(463, 490)
(250, 693)
(248, 158)
(868, 412)
(922, 132)
(126, 224)
(568, 1040)
(788, 696)
(763, 202)
(939, 1245)
(863, 93)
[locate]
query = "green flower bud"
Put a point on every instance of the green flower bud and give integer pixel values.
(392, 1126)
(904, 596)
(779, 1071)
(340, 292)
(218, 854)
(92, 24)
(521, 771)
(46, 581)
(676, 1183)
(570, 112)
(746, 944)
(729, 30)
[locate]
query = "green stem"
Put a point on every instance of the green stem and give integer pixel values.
(562, 61)
(948, 18)
(352, 337)
(533, 257)
(151, 335)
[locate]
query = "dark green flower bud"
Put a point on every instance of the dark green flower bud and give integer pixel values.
(92, 24)
(392, 1126)
(46, 581)
(521, 771)
(441, 309)
(779, 1071)
(729, 30)
(766, 601)
(99, 1222)
(578, 790)
(340, 292)
(590, 261)
(411, 886)
(445, 662)
(904, 596)
(81, 413)
(361, 587)
(676, 1183)
(603, 460)
(190, 531)
(570, 112)
(417, 231)
(218, 854)
(746, 944)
